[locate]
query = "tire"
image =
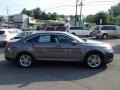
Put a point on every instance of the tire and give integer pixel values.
(91, 34)
(73, 33)
(25, 60)
(97, 37)
(94, 60)
(105, 36)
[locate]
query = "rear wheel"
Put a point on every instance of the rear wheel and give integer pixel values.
(91, 34)
(25, 60)
(73, 33)
(94, 60)
(104, 36)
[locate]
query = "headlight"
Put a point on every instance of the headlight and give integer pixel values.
(109, 49)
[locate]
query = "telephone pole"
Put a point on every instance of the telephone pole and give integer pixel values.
(81, 5)
(76, 12)
(7, 12)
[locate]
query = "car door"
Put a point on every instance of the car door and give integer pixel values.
(45, 46)
(70, 51)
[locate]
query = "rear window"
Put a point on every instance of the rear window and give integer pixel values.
(2, 32)
(76, 28)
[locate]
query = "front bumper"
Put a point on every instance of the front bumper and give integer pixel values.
(3, 44)
(109, 57)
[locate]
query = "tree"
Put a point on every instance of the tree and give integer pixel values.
(100, 15)
(90, 19)
(45, 16)
(54, 16)
(28, 12)
(115, 10)
(111, 19)
(37, 13)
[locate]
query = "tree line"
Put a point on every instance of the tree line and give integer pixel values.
(38, 14)
(109, 17)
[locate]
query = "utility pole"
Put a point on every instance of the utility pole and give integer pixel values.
(76, 12)
(81, 5)
(7, 12)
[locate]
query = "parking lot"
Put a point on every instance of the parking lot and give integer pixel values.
(61, 75)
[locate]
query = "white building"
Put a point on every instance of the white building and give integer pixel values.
(23, 21)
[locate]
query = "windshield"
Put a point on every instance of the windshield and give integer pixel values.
(76, 37)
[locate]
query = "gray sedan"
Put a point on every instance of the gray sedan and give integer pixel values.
(51, 45)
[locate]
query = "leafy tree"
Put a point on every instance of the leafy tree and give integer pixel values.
(54, 16)
(90, 18)
(115, 10)
(45, 16)
(100, 15)
(28, 12)
(111, 19)
(37, 13)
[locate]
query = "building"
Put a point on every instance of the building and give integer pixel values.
(23, 21)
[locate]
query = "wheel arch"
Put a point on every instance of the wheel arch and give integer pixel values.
(94, 51)
(24, 52)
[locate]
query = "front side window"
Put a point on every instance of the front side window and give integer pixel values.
(64, 39)
(97, 28)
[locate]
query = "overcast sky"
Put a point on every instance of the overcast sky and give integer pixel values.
(66, 7)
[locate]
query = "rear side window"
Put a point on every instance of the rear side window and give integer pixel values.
(108, 28)
(2, 32)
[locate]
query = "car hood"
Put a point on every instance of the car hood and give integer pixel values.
(96, 43)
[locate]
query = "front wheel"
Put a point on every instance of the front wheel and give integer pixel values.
(25, 60)
(94, 60)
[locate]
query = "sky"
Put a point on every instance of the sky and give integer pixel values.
(66, 7)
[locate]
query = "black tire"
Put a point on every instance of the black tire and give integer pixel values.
(104, 36)
(73, 33)
(97, 37)
(91, 63)
(91, 34)
(23, 63)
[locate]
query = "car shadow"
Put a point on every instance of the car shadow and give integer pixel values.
(11, 74)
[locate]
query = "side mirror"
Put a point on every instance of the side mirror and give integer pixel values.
(74, 42)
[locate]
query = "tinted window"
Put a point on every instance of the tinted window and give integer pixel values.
(108, 28)
(44, 39)
(76, 28)
(2, 32)
(64, 39)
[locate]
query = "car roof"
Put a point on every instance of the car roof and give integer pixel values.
(106, 25)
(51, 32)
